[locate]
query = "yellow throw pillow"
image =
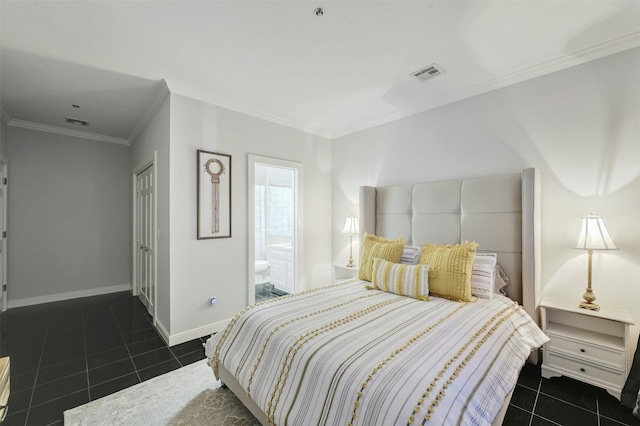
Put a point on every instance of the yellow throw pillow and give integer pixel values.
(450, 269)
(373, 247)
(405, 280)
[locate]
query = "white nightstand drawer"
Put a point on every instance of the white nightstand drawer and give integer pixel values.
(587, 372)
(611, 357)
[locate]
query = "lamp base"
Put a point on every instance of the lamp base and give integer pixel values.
(351, 263)
(589, 305)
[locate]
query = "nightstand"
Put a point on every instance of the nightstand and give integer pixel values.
(341, 272)
(589, 346)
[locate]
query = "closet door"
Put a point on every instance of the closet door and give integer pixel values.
(3, 235)
(145, 241)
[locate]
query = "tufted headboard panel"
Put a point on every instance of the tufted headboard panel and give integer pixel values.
(500, 213)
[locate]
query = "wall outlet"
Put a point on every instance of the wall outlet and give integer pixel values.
(213, 301)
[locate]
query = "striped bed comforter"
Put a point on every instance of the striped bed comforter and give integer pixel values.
(345, 355)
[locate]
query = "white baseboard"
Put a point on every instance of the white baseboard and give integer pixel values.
(186, 336)
(66, 296)
(171, 340)
(162, 330)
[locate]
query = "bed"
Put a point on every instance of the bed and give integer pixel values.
(352, 354)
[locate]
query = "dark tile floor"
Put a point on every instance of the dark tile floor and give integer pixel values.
(562, 401)
(65, 354)
(68, 353)
(267, 291)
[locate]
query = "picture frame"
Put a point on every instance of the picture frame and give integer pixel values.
(214, 195)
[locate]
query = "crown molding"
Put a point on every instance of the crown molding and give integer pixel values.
(284, 122)
(157, 101)
(67, 132)
(236, 107)
(558, 64)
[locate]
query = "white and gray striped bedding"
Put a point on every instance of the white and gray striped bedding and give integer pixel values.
(342, 354)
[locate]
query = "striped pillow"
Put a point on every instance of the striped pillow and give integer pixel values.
(502, 281)
(405, 280)
(451, 268)
(483, 275)
(373, 247)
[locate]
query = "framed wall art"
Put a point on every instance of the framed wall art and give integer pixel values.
(214, 195)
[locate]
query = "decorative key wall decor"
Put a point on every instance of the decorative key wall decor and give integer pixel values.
(214, 195)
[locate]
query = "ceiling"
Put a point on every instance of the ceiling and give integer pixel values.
(332, 75)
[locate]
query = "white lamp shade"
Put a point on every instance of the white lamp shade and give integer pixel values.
(594, 235)
(350, 226)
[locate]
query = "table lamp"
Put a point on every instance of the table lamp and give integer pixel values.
(351, 227)
(593, 236)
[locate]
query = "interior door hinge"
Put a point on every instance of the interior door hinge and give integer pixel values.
(4, 234)
(4, 287)
(5, 181)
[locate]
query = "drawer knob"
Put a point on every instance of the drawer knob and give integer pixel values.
(582, 350)
(582, 369)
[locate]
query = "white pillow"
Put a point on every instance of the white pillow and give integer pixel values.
(501, 282)
(411, 255)
(483, 275)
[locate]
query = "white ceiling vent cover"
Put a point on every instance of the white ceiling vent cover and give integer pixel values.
(427, 72)
(76, 121)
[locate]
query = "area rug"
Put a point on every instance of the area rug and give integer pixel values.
(189, 396)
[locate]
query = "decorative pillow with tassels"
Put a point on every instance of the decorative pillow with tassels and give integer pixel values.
(373, 247)
(451, 269)
(405, 280)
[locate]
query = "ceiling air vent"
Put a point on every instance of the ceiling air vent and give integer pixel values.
(76, 121)
(427, 72)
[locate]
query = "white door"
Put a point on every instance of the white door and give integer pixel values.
(277, 241)
(3, 235)
(145, 241)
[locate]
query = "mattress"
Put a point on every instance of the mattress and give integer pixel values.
(343, 354)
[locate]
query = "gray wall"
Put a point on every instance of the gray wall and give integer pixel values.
(579, 126)
(69, 216)
(218, 267)
(155, 137)
(3, 137)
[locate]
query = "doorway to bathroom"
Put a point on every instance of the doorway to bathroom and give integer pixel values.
(274, 234)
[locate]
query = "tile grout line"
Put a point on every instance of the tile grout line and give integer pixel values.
(86, 355)
(174, 356)
(570, 403)
(126, 346)
(142, 353)
(527, 387)
(35, 380)
(618, 422)
(124, 375)
(167, 346)
(535, 402)
(596, 412)
(48, 321)
(124, 343)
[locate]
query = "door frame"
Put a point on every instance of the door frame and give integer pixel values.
(145, 164)
(252, 160)
(4, 174)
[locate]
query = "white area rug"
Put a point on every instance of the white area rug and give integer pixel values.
(188, 396)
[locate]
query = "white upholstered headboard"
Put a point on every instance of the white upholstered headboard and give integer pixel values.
(500, 213)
